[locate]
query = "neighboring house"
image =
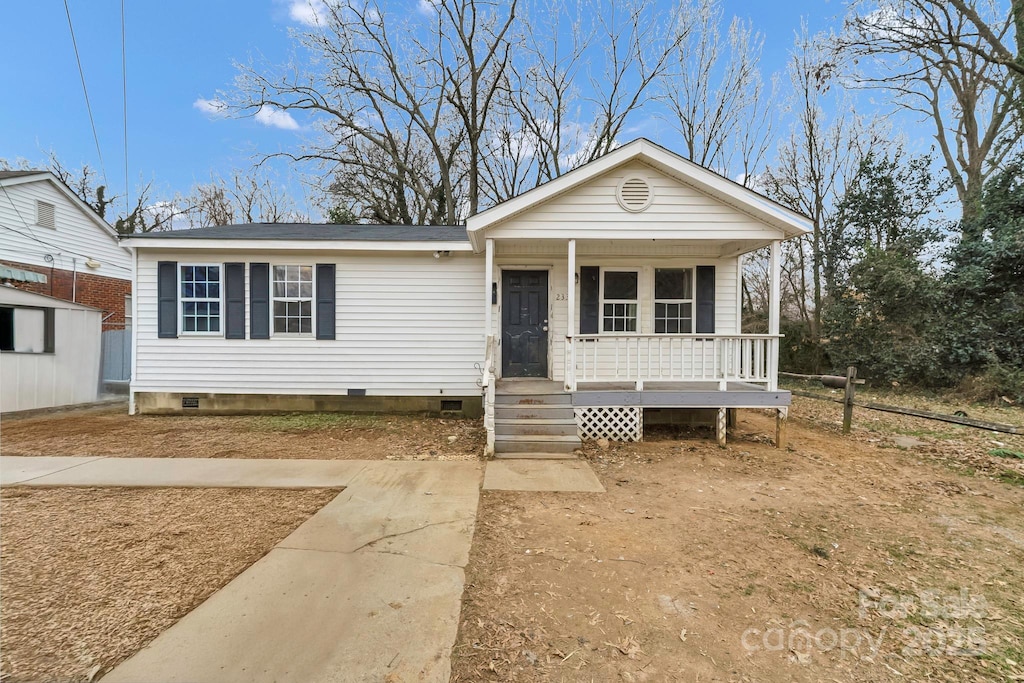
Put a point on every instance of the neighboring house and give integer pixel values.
(49, 351)
(568, 311)
(53, 243)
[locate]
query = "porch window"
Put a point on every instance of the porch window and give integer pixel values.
(293, 299)
(673, 301)
(200, 299)
(619, 302)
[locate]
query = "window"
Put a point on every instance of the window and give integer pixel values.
(619, 301)
(673, 301)
(293, 299)
(26, 330)
(46, 214)
(200, 299)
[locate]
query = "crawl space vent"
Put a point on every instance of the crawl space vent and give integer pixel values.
(448, 406)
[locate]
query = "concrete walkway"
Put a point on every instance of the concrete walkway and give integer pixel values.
(367, 589)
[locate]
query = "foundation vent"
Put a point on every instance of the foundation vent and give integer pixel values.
(451, 406)
(635, 193)
(189, 401)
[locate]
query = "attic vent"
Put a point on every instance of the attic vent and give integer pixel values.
(45, 215)
(635, 193)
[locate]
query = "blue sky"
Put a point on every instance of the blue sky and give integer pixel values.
(179, 52)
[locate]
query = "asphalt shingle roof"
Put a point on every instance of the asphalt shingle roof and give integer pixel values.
(4, 175)
(317, 231)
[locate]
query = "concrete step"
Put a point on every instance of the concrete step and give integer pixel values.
(552, 399)
(538, 444)
(530, 428)
(535, 421)
(534, 456)
(556, 412)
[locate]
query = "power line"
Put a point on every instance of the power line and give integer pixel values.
(17, 211)
(60, 250)
(88, 106)
(124, 101)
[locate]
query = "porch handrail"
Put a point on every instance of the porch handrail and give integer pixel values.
(637, 357)
(489, 385)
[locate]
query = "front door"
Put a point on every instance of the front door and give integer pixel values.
(524, 323)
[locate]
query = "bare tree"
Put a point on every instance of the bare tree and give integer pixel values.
(936, 59)
(244, 197)
(716, 95)
(814, 163)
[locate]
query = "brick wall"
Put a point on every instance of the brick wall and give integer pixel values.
(104, 293)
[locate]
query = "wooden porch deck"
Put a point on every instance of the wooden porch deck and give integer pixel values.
(654, 394)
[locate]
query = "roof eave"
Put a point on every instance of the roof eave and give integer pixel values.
(223, 244)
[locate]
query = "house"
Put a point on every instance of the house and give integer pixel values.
(49, 351)
(567, 312)
(53, 243)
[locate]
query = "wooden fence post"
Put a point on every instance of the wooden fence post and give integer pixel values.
(851, 384)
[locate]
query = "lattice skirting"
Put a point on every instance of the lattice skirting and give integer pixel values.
(614, 424)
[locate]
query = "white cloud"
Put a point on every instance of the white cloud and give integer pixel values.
(308, 12)
(427, 6)
(212, 107)
(276, 118)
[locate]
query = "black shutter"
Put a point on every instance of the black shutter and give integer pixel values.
(234, 295)
(167, 299)
(325, 301)
(590, 299)
(259, 301)
(705, 299)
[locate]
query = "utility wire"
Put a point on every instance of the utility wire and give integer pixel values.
(88, 106)
(17, 211)
(60, 250)
(124, 101)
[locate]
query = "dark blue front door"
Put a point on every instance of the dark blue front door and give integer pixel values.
(524, 323)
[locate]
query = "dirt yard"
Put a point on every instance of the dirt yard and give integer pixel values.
(111, 432)
(89, 576)
(836, 559)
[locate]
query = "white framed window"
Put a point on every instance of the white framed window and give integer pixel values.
(200, 298)
(620, 303)
(673, 300)
(292, 295)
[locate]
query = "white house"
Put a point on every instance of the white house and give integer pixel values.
(49, 351)
(53, 243)
(565, 312)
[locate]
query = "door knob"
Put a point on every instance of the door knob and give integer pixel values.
(545, 328)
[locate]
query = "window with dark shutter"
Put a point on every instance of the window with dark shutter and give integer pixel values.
(167, 299)
(234, 295)
(325, 279)
(590, 299)
(705, 299)
(259, 301)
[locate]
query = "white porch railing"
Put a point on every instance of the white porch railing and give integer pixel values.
(640, 358)
(488, 384)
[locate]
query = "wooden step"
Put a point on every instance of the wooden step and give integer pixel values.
(536, 444)
(555, 412)
(535, 456)
(535, 428)
(553, 399)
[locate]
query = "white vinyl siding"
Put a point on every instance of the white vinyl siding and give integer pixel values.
(593, 211)
(407, 325)
(74, 233)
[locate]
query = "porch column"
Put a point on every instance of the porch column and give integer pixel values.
(488, 280)
(774, 310)
(570, 319)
